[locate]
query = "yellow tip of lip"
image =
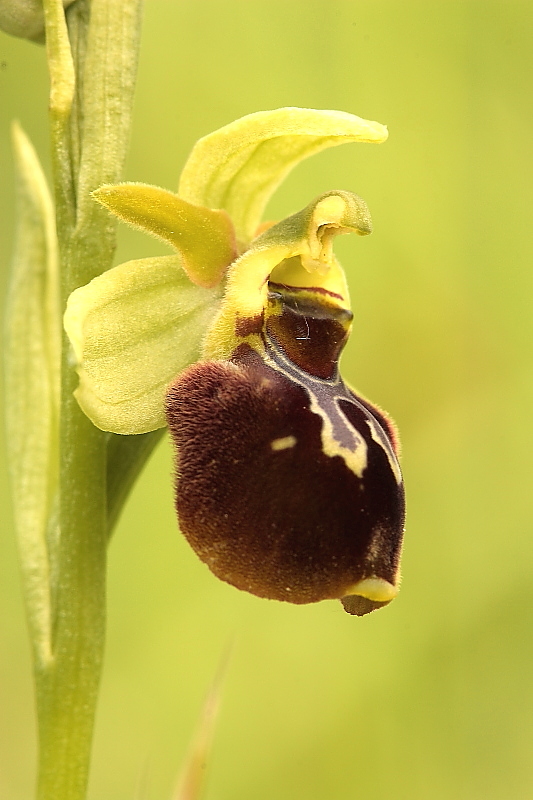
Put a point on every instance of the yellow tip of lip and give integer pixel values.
(376, 589)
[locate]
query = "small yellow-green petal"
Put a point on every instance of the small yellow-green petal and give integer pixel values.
(133, 329)
(204, 237)
(238, 167)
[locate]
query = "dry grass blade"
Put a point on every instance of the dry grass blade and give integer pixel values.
(192, 779)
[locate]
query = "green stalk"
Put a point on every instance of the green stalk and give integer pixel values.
(67, 689)
(90, 110)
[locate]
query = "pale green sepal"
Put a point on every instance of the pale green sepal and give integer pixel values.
(203, 237)
(238, 167)
(133, 329)
(32, 385)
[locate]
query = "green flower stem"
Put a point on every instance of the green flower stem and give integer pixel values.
(92, 78)
(67, 689)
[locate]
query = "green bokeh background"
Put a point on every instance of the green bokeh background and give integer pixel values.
(432, 697)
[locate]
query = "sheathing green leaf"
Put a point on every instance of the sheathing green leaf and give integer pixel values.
(32, 355)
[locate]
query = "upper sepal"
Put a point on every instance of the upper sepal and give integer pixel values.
(239, 166)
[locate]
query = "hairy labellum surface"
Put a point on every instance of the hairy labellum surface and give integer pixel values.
(288, 484)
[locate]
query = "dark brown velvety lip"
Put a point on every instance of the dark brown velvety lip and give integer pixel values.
(291, 523)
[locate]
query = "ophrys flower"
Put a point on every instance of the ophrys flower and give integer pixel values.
(287, 483)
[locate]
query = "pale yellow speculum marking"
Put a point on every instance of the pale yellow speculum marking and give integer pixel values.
(285, 443)
(356, 460)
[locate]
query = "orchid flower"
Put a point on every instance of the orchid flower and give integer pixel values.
(287, 481)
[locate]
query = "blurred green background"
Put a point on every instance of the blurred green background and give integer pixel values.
(433, 697)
